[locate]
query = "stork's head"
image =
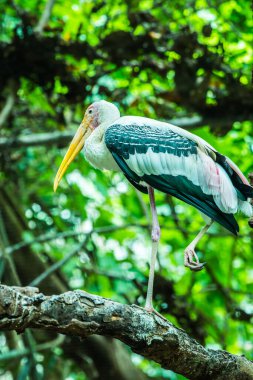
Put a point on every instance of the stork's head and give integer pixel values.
(98, 115)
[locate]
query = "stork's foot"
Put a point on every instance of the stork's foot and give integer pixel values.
(151, 310)
(191, 260)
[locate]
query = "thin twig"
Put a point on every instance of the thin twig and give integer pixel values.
(20, 11)
(56, 265)
(114, 276)
(7, 258)
(48, 237)
(36, 139)
(44, 17)
(222, 289)
(100, 230)
(174, 215)
(17, 354)
(9, 104)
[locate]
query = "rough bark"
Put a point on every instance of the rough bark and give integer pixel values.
(82, 314)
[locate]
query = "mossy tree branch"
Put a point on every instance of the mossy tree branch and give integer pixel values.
(82, 314)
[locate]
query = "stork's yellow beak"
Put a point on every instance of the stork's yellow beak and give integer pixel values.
(75, 146)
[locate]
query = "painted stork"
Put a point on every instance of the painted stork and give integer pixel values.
(157, 155)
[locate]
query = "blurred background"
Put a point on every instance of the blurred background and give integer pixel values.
(188, 62)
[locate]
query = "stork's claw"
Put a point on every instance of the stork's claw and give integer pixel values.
(189, 256)
(151, 310)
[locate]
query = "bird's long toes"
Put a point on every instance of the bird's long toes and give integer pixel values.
(192, 267)
(159, 315)
(196, 258)
(151, 310)
(197, 267)
(194, 263)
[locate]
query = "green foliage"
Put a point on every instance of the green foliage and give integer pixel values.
(152, 58)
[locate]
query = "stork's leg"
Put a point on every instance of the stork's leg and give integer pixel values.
(155, 234)
(190, 254)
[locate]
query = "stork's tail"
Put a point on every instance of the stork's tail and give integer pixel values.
(241, 184)
(246, 208)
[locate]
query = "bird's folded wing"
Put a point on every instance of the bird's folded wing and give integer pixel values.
(146, 149)
(170, 161)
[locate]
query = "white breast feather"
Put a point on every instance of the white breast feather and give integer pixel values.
(97, 153)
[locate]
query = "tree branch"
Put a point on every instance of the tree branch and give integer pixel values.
(37, 139)
(82, 314)
(57, 265)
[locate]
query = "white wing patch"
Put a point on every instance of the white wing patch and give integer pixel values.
(198, 168)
